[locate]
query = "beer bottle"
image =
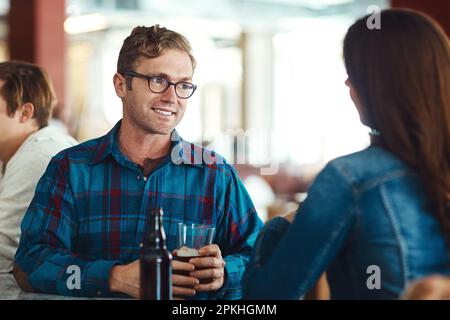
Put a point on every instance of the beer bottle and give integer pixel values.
(156, 268)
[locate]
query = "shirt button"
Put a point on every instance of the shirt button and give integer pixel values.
(138, 177)
(145, 179)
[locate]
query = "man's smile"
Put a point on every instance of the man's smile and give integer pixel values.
(164, 112)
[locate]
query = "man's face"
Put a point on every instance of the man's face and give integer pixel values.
(157, 113)
(8, 125)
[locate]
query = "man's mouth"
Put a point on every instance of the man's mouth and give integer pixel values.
(164, 112)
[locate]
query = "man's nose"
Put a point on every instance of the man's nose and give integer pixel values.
(170, 94)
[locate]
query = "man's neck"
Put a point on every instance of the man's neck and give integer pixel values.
(138, 145)
(11, 147)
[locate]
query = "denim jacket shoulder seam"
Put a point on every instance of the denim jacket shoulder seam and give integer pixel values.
(377, 181)
(353, 181)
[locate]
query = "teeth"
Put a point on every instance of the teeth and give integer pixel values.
(166, 113)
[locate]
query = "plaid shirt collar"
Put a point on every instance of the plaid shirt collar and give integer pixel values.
(182, 152)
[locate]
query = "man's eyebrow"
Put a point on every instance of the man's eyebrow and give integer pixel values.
(166, 76)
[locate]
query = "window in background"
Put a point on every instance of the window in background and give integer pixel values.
(314, 117)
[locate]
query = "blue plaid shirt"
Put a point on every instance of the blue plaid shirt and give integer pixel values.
(91, 206)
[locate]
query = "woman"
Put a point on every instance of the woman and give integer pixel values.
(377, 219)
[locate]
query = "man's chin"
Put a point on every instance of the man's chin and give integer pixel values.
(160, 131)
(152, 127)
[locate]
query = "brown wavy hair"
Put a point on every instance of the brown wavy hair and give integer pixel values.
(401, 74)
(27, 83)
(150, 42)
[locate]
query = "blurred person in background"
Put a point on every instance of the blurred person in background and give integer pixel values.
(433, 287)
(91, 206)
(378, 219)
(26, 146)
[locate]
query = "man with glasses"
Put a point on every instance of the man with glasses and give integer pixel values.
(90, 211)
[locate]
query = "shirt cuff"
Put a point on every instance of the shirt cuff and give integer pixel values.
(232, 287)
(96, 278)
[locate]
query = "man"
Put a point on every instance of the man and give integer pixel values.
(26, 146)
(91, 207)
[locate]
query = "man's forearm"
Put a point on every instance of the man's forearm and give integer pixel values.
(115, 281)
(125, 279)
(63, 274)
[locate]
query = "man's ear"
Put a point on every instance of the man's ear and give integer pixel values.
(120, 85)
(26, 112)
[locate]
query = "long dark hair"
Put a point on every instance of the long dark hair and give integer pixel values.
(401, 74)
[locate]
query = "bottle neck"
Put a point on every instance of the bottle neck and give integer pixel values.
(156, 237)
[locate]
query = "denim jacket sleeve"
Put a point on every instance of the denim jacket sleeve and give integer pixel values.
(268, 239)
(307, 247)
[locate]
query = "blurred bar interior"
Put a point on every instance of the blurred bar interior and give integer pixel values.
(270, 75)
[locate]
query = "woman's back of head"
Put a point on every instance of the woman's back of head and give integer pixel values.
(401, 74)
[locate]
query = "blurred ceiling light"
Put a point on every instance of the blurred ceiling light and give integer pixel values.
(86, 23)
(324, 2)
(73, 10)
(307, 3)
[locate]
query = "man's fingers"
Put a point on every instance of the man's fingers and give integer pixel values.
(214, 273)
(179, 280)
(211, 286)
(207, 262)
(182, 291)
(182, 266)
(183, 285)
(210, 250)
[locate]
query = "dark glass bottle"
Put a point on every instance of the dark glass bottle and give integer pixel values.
(156, 268)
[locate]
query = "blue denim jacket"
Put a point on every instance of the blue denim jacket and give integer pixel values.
(363, 210)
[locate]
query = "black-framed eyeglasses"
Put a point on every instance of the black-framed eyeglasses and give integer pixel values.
(158, 84)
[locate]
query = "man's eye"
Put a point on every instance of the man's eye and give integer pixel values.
(185, 86)
(158, 80)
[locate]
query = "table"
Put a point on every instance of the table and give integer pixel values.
(9, 290)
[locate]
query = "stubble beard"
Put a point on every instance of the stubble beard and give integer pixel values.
(150, 125)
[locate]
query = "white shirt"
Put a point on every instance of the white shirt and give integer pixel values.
(18, 183)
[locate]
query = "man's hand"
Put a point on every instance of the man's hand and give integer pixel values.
(126, 279)
(209, 268)
(183, 285)
(429, 288)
